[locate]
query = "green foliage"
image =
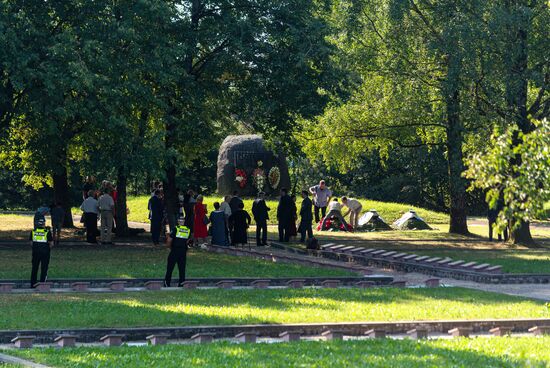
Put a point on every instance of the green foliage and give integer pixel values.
(524, 187)
(503, 352)
(249, 306)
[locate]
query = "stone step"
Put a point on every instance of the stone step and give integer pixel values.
(480, 267)
(399, 255)
(468, 265)
(432, 260)
(420, 259)
(388, 254)
(327, 245)
(455, 264)
(493, 269)
(409, 257)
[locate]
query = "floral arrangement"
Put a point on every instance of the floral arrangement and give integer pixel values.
(274, 177)
(333, 224)
(240, 177)
(258, 177)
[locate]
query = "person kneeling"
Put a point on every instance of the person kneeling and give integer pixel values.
(177, 241)
(335, 209)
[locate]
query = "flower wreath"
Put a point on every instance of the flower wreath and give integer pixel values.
(274, 177)
(258, 177)
(240, 177)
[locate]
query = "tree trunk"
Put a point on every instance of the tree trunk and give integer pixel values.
(121, 216)
(516, 95)
(522, 235)
(62, 195)
(455, 131)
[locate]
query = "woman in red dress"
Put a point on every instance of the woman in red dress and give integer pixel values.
(201, 232)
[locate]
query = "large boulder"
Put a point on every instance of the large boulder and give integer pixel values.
(248, 154)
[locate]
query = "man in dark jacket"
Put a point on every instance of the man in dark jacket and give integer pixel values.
(235, 201)
(260, 211)
(284, 215)
(156, 210)
(306, 217)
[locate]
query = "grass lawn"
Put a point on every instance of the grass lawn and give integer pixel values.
(514, 261)
(463, 352)
(142, 261)
(244, 306)
(390, 211)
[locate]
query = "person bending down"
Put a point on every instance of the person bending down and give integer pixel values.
(335, 209)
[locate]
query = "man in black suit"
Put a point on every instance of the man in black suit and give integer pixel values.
(234, 202)
(284, 215)
(260, 211)
(306, 217)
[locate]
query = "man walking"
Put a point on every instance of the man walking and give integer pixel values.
(306, 217)
(260, 211)
(284, 215)
(177, 242)
(106, 209)
(42, 242)
(321, 196)
(354, 209)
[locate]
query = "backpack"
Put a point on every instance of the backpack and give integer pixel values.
(312, 243)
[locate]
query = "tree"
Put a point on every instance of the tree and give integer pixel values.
(524, 186)
(411, 60)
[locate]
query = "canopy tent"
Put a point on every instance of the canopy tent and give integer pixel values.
(371, 221)
(411, 221)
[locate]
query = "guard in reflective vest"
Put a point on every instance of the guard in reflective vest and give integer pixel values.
(177, 241)
(42, 241)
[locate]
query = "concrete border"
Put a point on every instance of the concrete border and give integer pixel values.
(90, 335)
(15, 360)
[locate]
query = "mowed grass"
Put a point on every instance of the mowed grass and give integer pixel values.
(246, 306)
(513, 261)
(146, 262)
(463, 352)
(390, 211)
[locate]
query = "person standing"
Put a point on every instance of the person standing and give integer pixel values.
(239, 221)
(156, 214)
(225, 207)
(41, 245)
(106, 208)
(234, 202)
(177, 241)
(284, 215)
(354, 210)
(292, 230)
(260, 211)
(57, 214)
(335, 209)
(201, 220)
(218, 226)
(89, 185)
(90, 211)
(306, 217)
(321, 197)
(40, 215)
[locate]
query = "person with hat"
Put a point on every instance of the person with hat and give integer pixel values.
(177, 241)
(42, 242)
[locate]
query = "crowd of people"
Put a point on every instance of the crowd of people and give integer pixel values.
(98, 204)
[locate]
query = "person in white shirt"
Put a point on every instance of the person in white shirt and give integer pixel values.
(354, 210)
(90, 210)
(225, 207)
(335, 209)
(106, 209)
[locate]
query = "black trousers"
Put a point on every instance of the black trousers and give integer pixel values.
(40, 257)
(500, 235)
(305, 227)
(177, 256)
(261, 232)
(323, 213)
(156, 225)
(284, 231)
(90, 221)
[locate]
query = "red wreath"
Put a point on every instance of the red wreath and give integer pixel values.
(242, 174)
(334, 225)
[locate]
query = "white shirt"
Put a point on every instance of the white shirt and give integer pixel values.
(90, 205)
(334, 206)
(353, 204)
(224, 206)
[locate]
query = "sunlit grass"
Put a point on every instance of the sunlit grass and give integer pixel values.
(222, 307)
(476, 352)
(145, 262)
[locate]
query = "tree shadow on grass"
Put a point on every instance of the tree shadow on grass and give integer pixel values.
(366, 353)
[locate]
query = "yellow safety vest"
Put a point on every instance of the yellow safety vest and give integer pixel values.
(182, 232)
(40, 236)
